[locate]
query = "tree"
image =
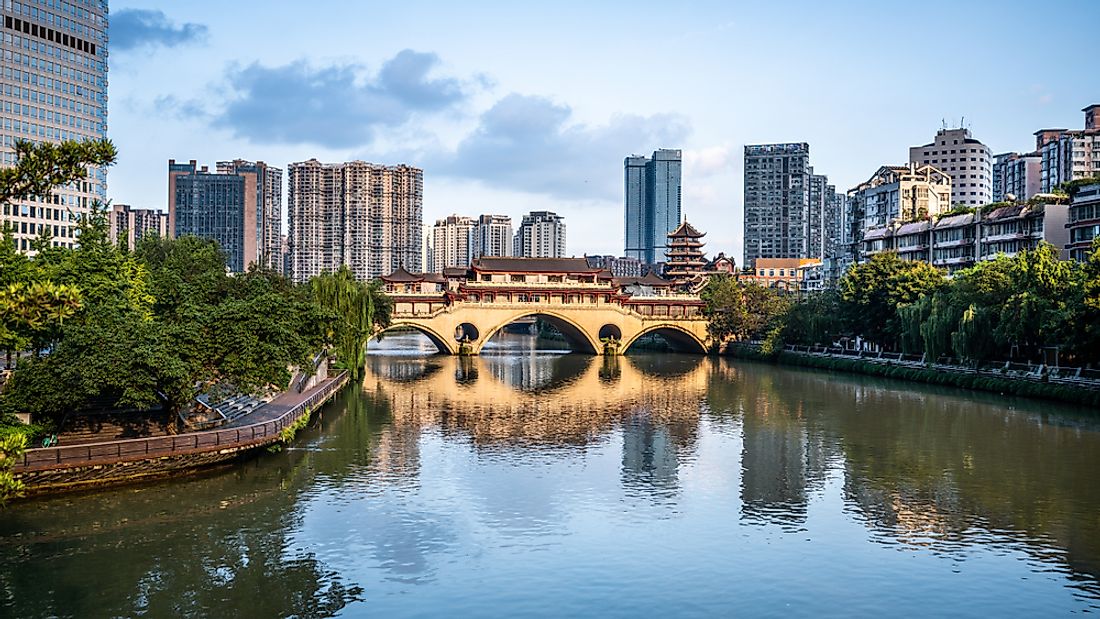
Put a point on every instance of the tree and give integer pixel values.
(1084, 314)
(1037, 313)
(354, 311)
(44, 166)
(814, 319)
(11, 449)
(741, 311)
(871, 293)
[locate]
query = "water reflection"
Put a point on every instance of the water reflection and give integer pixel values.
(522, 482)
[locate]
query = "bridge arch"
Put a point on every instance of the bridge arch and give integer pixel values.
(444, 345)
(679, 338)
(580, 340)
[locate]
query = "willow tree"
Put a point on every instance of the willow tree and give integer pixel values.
(356, 311)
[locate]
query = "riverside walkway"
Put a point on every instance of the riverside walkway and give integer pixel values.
(72, 465)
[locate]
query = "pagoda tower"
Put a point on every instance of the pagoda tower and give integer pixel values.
(685, 259)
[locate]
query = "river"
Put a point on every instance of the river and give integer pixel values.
(530, 483)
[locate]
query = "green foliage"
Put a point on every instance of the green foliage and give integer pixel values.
(741, 311)
(43, 166)
(1005, 308)
(354, 311)
(1070, 187)
(871, 293)
(11, 449)
(814, 319)
(153, 327)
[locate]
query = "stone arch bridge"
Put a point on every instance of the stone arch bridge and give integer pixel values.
(595, 312)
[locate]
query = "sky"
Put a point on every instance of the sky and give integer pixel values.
(510, 107)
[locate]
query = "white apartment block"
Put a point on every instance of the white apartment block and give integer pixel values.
(493, 236)
(452, 243)
(540, 235)
(366, 216)
(964, 159)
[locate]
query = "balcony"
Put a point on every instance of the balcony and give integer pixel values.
(953, 243)
(1008, 236)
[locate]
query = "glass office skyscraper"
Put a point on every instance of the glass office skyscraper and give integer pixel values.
(54, 87)
(652, 196)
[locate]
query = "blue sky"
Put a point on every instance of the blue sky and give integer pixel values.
(511, 108)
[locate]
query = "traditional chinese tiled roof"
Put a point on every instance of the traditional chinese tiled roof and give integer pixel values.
(534, 265)
(685, 230)
(401, 276)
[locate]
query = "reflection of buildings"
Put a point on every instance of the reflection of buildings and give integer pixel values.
(652, 450)
(773, 469)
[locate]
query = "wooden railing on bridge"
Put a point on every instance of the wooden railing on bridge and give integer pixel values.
(127, 450)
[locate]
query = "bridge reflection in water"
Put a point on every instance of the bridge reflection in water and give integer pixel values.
(561, 399)
(447, 481)
(929, 469)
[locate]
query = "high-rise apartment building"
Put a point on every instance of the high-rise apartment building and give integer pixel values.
(493, 236)
(540, 235)
(453, 240)
(366, 216)
(778, 219)
(652, 203)
(54, 88)
(967, 161)
(1070, 155)
(268, 187)
(833, 223)
(239, 206)
(128, 225)
(1019, 175)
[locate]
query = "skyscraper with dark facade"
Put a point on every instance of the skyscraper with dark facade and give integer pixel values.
(239, 206)
(652, 203)
(53, 87)
(268, 189)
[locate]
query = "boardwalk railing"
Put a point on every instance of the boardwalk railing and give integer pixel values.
(126, 450)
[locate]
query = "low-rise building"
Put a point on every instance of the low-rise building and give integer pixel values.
(1083, 222)
(1011, 229)
(790, 274)
(913, 241)
(954, 242)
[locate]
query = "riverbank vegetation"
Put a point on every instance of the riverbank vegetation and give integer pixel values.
(99, 326)
(1020, 308)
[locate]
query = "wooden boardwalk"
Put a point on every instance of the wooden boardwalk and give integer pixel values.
(259, 428)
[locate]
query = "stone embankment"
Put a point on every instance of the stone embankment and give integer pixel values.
(1074, 385)
(75, 466)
